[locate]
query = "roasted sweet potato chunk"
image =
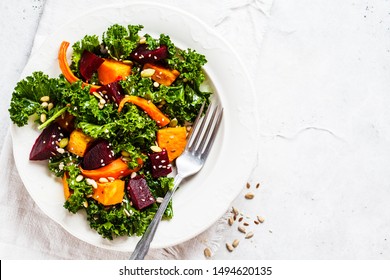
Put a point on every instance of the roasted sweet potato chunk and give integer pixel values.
(109, 193)
(112, 70)
(173, 139)
(78, 142)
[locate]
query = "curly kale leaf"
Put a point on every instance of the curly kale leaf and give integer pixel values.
(119, 220)
(26, 98)
(132, 131)
(85, 106)
(121, 41)
(90, 43)
(123, 219)
(188, 62)
(62, 163)
(80, 190)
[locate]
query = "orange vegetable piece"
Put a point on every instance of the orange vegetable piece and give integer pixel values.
(173, 139)
(109, 193)
(148, 107)
(65, 69)
(112, 70)
(78, 142)
(163, 76)
(116, 169)
(65, 185)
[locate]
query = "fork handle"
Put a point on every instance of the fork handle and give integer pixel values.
(143, 244)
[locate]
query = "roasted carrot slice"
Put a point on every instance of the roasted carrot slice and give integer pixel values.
(65, 69)
(116, 169)
(162, 75)
(148, 107)
(65, 185)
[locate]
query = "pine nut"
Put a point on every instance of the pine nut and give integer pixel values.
(156, 149)
(92, 183)
(43, 118)
(79, 178)
(142, 40)
(103, 180)
(45, 98)
(147, 73)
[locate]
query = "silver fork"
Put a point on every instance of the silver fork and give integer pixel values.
(191, 161)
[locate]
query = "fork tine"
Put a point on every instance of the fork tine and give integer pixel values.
(195, 124)
(199, 149)
(213, 136)
(196, 133)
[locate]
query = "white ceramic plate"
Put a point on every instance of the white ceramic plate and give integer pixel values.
(203, 199)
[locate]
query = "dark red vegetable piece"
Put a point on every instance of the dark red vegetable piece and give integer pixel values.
(112, 91)
(89, 63)
(98, 154)
(160, 164)
(46, 145)
(143, 55)
(139, 193)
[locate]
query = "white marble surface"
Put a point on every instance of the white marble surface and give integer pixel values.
(323, 81)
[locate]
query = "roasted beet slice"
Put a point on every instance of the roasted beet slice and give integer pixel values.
(139, 192)
(46, 145)
(89, 63)
(143, 55)
(98, 154)
(66, 122)
(113, 92)
(160, 164)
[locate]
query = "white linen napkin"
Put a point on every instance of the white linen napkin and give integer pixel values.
(27, 233)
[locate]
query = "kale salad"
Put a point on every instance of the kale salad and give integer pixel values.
(113, 122)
